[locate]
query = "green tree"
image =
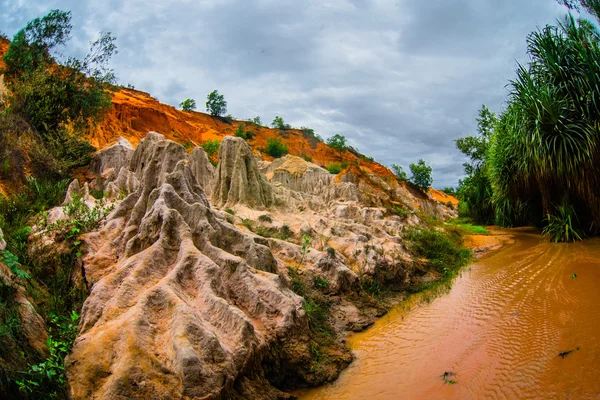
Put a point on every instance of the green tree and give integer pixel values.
(421, 174)
(216, 104)
(338, 143)
(475, 191)
(399, 171)
(256, 120)
(279, 124)
(188, 105)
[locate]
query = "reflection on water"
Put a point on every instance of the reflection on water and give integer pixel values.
(500, 331)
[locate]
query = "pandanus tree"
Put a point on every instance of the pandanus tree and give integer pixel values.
(545, 153)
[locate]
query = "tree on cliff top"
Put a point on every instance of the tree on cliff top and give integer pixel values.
(188, 105)
(216, 104)
(338, 143)
(421, 174)
(278, 123)
(48, 93)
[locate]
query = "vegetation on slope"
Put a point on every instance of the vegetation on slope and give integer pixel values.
(47, 108)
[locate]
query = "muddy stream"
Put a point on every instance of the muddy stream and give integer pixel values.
(522, 323)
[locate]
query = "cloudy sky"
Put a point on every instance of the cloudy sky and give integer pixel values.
(401, 79)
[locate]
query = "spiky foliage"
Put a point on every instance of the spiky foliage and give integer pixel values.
(545, 149)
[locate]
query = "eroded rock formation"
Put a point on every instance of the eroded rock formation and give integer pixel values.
(186, 305)
(237, 179)
(183, 305)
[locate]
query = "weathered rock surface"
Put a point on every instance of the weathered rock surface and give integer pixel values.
(186, 305)
(202, 169)
(116, 156)
(299, 175)
(237, 179)
(183, 305)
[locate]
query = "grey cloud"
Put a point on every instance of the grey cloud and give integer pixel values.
(400, 79)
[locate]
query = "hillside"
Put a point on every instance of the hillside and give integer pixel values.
(135, 113)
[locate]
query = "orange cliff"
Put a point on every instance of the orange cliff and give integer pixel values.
(135, 113)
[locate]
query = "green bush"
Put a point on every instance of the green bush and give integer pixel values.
(265, 218)
(562, 226)
(399, 171)
(442, 249)
(243, 133)
(306, 157)
(308, 131)
(276, 148)
(211, 147)
(334, 168)
(400, 211)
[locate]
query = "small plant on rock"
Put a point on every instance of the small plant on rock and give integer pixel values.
(265, 218)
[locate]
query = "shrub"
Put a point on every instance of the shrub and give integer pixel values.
(47, 379)
(449, 190)
(256, 121)
(211, 147)
(331, 252)
(308, 131)
(400, 211)
(562, 227)
(306, 157)
(265, 218)
(243, 133)
(367, 158)
(442, 249)
(188, 105)
(216, 104)
(276, 148)
(334, 168)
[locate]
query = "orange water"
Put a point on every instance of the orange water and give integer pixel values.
(499, 330)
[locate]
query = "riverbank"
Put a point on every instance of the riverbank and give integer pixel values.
(485, 245)
(510, 327)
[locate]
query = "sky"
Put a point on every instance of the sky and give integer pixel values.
(400, 79)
